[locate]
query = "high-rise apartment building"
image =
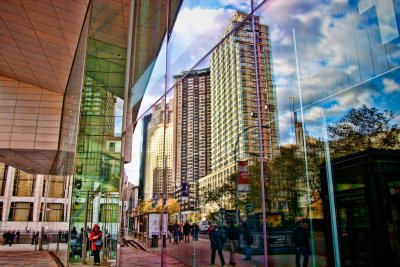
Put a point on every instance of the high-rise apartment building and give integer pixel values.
(192, 125)
(143, 152)
(159, 151)
(234, 75)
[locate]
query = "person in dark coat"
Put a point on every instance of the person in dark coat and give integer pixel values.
(186, 231)
(11, 238)
(217, 243)
(232, 232)
(17, 234)
(5, 237)
(248, 239)
(96, 239)
(176, 233)
(300, 238)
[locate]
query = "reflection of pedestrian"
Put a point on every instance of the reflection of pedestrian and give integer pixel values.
(233, 235)
(186, 231)
(176, 233)
(248, 239)
(217, 242)
(300, 237)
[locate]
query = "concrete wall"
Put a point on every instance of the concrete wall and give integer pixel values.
(30, 124)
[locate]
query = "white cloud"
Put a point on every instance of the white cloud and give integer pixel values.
(390, 86)
(242, 5)
(196, 31)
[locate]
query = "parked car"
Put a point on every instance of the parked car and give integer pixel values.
(204, 227)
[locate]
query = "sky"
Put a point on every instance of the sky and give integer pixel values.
(332, 55)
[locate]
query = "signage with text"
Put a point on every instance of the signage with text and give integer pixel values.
(243, 176)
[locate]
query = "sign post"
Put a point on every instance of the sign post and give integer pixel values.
(243, 176)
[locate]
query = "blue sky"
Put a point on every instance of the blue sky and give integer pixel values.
(347, 54)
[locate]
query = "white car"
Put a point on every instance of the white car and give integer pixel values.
(204, 227)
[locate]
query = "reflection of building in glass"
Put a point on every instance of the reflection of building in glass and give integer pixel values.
(158, 141)
(192, 127)
(234, 99)
(234, 96)
(23, 198)
(143, 152)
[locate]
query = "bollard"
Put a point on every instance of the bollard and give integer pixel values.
(164, 241)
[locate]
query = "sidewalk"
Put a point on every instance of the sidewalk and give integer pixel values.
(24, 255)
(198, 253)
(195, 253)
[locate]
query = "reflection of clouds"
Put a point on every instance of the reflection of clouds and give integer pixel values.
(286, 130)
(339, 104)
(337, 49)
(195, 32)
(242, 5)
(396, 120)
(386, 17)
(390, 86)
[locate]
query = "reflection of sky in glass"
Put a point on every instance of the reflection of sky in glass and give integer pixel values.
(339, 47)
(350, 46)
(118, 113)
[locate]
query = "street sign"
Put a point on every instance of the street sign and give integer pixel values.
(243, 176)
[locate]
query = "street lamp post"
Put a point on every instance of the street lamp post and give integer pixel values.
(236, 168)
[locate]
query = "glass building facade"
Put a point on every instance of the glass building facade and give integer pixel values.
(319, 82)
(302, 125)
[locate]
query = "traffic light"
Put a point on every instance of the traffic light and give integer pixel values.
(78, 184)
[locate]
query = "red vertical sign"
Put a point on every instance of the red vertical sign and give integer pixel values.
(243, 175)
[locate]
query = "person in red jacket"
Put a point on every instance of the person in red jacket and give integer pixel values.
(96, 243)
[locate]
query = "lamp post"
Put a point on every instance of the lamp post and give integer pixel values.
(236, 168)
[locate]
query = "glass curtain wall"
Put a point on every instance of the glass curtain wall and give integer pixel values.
(98, 161)
(277, 123)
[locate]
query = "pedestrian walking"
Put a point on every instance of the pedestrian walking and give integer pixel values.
(5, 237)
(11, 238)
(217, 243)
(195, 232)
(97, 243)
(33, 238)
(176, 233)
(300, 238)
(37, 238)
(232, 232)
(186, 231)
(248, 239)
(17, 235)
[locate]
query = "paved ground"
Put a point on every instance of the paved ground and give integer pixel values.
(192, 254)
(198, 253)
(24, 255)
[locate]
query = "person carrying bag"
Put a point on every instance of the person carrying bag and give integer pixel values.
(97, 243)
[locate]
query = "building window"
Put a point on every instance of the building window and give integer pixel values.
(3, 178)
(55, 212)
(23, 184)
(57, 187)
(21, 211)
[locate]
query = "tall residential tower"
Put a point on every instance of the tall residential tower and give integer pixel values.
(234, 75)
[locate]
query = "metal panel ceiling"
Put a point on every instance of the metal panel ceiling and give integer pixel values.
(38, 40)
